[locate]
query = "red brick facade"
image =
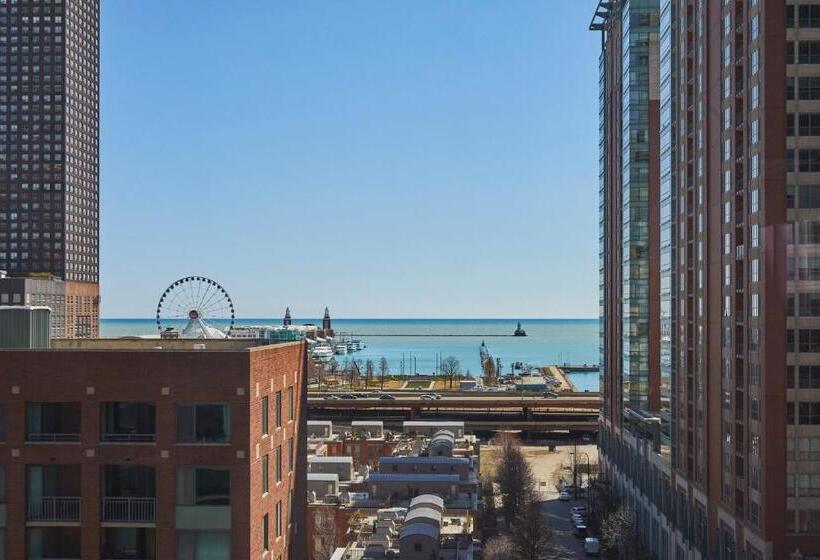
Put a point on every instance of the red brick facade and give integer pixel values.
(167, 378)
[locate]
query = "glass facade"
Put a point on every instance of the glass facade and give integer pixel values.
(667, 222)
(640, 23)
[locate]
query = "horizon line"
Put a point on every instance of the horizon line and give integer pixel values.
(383, 318)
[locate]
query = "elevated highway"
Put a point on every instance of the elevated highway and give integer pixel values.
(575, 412)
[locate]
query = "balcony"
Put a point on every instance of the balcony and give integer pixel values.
(53, 422)
(128, 543)
(129, 494)
(129, 510)
(54, 509)
(53, 493)
(128, 422)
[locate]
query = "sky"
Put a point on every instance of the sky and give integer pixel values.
(402, 158)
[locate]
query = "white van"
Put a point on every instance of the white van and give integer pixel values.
(592, 546)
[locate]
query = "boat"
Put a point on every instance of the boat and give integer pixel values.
(340, 349)
(322, 352)
(519, 331)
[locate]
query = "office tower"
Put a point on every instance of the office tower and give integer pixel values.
(733, 471)
(173, 449)
(49, 149)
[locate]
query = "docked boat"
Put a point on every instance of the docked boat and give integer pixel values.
(322, 352)
(340, 349)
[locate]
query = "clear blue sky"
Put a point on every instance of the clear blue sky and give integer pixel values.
(424, 158)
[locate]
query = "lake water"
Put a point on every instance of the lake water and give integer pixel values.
(412, 345)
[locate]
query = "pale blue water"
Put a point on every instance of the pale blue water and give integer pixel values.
(549, 341)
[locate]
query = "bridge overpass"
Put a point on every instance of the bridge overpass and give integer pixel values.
(575, 413)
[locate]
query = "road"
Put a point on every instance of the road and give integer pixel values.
(558, 516)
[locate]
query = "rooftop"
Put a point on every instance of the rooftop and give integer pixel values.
(136, 344)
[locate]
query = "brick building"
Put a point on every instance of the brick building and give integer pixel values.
(124, 449)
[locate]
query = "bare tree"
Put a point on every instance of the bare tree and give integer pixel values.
(499, 548)
(368, 372)
(333, 367)
(384, 369)
(619, 535)
(450, 368)
(489, 514)
(531, 534)
(515, 477)
(324, 535)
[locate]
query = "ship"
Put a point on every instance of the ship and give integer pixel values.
(519, 331)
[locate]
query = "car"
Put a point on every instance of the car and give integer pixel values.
(564, 496)
(580, 531)
(578, 520)
(592, 546)
(551, 394)
(331, 398)
(579, 509)
(347, 396)
(386, 397)
(427, 397)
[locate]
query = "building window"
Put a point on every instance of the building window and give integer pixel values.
(808, 16)
(790, 129)
(808, 52)
(809, 305)
(203, 423)
(201, 545)
(809, 124)
(265, 471)
(53, 421)
(265, 534)
(808, 196)
(291, 404)
(755, 62)
(204, 486)
(278, 404)
(291, 457)
(809, 160)
(278, 519)
(265, 428)
(128, 422)
(808, 88)
(278, 460)
(809, 413)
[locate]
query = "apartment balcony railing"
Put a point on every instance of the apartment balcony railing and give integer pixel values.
(52, 436)
(129, 438)
(129, 510)
(54, 508)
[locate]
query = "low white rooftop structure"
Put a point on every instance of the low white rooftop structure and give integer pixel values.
(320, 485)
(428, 501)
(429, 428)
(340, 466)
(319, 429)
(367, 428)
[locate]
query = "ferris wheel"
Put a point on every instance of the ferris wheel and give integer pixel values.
(200, 301)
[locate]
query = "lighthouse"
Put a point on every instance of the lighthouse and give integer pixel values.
(288, 321)
(327, 329)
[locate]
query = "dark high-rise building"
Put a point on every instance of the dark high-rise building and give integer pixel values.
(49, 149)
(724, 463)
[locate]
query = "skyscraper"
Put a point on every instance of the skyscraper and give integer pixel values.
(49, 149)
(723, 463)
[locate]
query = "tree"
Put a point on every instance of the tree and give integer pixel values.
(384, 369)
(515, 478)
(450, 368)
(368, 373)
(324, 534)
(619, 535)
(499, 548)
(355, 373)
(531, 534)
(489, 514)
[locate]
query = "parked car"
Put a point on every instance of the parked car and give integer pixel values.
(592, 546)
(579, 509)
(551, 394)
(331, 398)
(564, 496)
(386, 397)
(578, 520)
(347, 396)
(427, 398)
(580, 531)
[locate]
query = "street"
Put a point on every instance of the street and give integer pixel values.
(558, 517)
